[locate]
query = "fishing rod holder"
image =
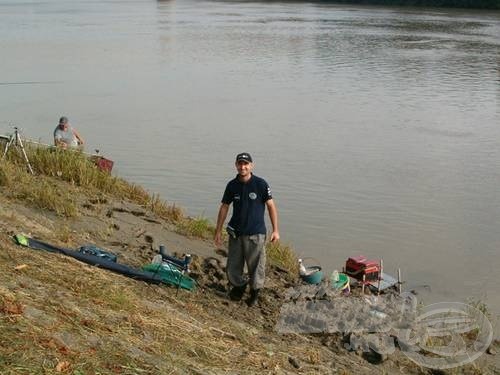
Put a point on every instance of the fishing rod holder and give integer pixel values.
(16, 141)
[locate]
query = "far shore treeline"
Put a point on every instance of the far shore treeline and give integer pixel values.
(478, 4)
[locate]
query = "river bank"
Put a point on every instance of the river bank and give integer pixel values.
(58, 315)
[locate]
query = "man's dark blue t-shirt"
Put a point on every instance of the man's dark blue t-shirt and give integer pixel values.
(248, 199)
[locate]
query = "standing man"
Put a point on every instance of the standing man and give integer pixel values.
(250, 195)
(65, 136)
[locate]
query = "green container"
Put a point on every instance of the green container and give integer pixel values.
(342, 283)
(313, 275)
(171, 275)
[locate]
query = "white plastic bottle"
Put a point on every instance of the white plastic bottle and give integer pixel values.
(335, 277)
(302, 268)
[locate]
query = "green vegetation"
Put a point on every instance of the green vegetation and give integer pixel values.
(41, 192)
(283, 256)
(198, 227)
(478, 4)
(79, 172)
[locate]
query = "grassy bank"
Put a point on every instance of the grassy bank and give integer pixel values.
(60, 316)
(52, 166)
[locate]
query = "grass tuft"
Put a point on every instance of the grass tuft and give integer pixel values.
(283, 256)
(39, 191)
(164, 210)
(198, 227)
(4, 178)
(77, 169)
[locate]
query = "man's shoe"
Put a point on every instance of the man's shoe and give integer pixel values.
(254, 296)
(237, 292)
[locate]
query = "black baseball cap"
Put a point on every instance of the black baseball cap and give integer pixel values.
(63, 120)
(244, 156)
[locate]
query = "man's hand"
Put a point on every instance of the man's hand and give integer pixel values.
(275, 237)
(62, 145)
(273, 216)
(221, 217)
(218, 240)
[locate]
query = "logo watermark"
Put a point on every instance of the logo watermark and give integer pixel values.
(438, 336)
(453, 335)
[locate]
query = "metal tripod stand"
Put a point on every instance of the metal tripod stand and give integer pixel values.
(15, 139)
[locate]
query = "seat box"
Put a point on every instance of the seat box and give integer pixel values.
(358, 266)
(103, 164)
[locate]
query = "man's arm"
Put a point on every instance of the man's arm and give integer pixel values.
(273, 216)
(77, 135)
(58, 142)
(57, 138)
(221, 218)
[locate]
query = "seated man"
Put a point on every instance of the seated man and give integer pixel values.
(65, 136)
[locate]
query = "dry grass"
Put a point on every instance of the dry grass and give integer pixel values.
(199, 227)
(100, 322)
(75, 168)
(283, 256)
(163, 209)
(58, 315)
(41, 192)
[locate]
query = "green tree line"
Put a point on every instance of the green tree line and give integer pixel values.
(478, 4)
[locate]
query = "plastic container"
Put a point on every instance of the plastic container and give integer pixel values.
(342, 283)
(171, 275)
(313, 275)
